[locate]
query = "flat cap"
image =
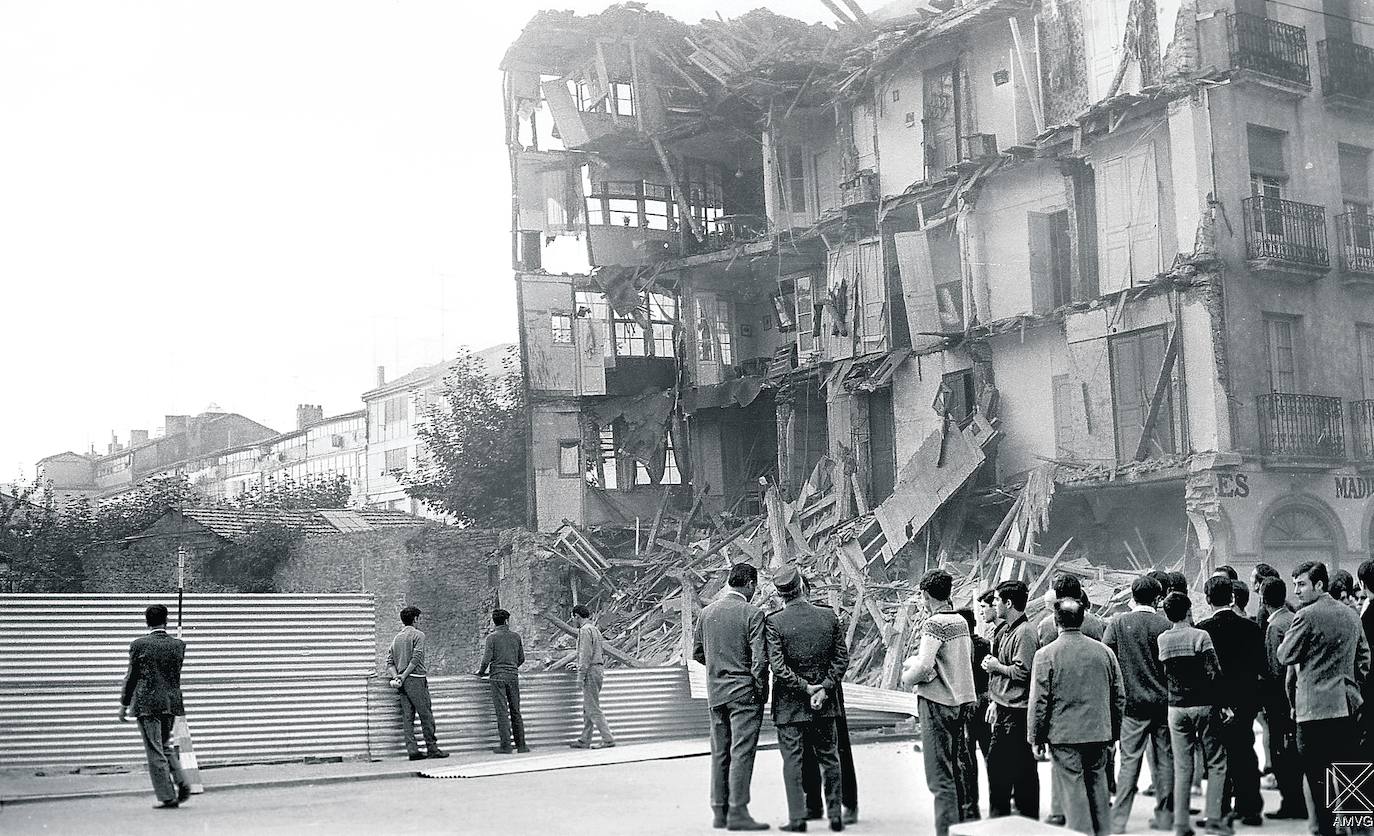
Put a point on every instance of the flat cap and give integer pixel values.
(787, 578)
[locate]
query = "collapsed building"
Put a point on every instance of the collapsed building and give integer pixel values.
(1005, 285)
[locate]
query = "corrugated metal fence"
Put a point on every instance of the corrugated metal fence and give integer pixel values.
(266, 676)
(282, 676)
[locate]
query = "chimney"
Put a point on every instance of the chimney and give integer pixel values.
(173, 424)
(307, 414)
(114, 443)
(138, 437)
(381, 376)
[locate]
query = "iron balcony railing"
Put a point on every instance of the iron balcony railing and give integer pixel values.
(1347, 69)
(1270, 47)
(1362, 429)
(1285, 230)
(1356, 232)
(1305, 426)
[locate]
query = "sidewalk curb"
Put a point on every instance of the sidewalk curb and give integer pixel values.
(209, 788)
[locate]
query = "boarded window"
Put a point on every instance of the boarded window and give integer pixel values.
(1137, 359)
(1281, 334)
(1064, 392)
(1051, 264)
(882, 446)
(570, 457)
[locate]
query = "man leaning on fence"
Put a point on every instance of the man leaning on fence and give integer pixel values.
(152, 691)
(502, 657)
(405, 668)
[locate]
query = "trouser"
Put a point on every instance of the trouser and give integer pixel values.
(1283, 749)
(1080, 772)
(1242, 766)
(811, 773)
(505, 701)
(1141, 735)
(1322, 743)
(592, 715)
(414, 700)
(977, 735)
(1194, 729)
(164, 765)
(1012, 770)
(734, 740)
(944, 742)
(793, 739)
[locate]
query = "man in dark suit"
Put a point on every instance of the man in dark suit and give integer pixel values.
(730, 643)
(152, 689)
(1365, 577)
(1240, 652)
(808, 656)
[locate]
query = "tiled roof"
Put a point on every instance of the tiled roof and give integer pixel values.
(234, 524)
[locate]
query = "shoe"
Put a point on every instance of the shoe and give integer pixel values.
(577, 744)
(1249, 821)
(1286, 814)
(748, 823)
(1148, 791)
(1269, 782)
(418, 756)
(437, 754)
(1217, 826)
(1056, 821)
(610, 745)
(837, 823)
(524, 750)
(718, 818)
(793, 827)
(1165, 822)
(183, 792)
(815, 815)
(503, 750)
(851, 815)
(166, 805)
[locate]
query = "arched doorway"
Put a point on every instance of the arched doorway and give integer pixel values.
(1295, 534)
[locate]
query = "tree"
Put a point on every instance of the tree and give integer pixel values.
(250, 565)
(41, 543)
(474, 466)
(288, 494)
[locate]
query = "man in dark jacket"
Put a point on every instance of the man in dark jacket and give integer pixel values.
(730, 642)
(152, 690)
(1240, 652)
(978, 732)
(808, 657)
(502, 657)
(1278, 711)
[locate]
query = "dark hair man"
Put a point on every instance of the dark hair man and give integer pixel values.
(1342, 589)
(1076, 705)
(808, 657)
(1240, 597)
(1239, 646)
(1365, 575)
(1067, 585)
(1012, 769)
(1178, 582)
(942, 671)
(1328, 647)
(1191, 668)
(1162, 578)
(1278, 711)
(1134, 637)
(152, 688)
(1224, 571)
(591, 673)
(730, 642)
(502, 655)
(405, 669)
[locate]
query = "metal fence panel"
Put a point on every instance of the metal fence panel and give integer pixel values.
(266, 676)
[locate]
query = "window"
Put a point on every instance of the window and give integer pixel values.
(1354, 166)
(593, 306)
(395, 461)
(622, 94)
(569, 458)
(960, 402)
(621, 335)
(784, 307)
(806, 318)
(1365, 335)
(604, 472)
(1294, 535)
(1339, 20)
(397, 409)
(1136, 361)
(562, 329)
(1051, 265)
(727, 354)
(662, 320)
(704, 352)
(795, 178)
(940, 119)
(1281, 335)
(1268, 178)
(671, 474)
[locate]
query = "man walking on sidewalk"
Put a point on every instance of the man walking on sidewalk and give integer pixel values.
(405, 669)
(502, 658)
(591, 672)
(1076, 703)
(152, 689)
(730, 642)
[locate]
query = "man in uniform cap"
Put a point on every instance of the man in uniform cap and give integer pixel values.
(808, 656)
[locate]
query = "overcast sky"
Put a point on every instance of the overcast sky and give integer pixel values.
(251, 204)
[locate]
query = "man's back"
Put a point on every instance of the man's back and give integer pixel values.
(730, 643)
(408, 646)
(1275, 628)
(1240, 652)
(504, 654)
(1076, 693)
(1190, 662)
(1094, 626)
(1134, 638)
(153, 684)
(806, 640)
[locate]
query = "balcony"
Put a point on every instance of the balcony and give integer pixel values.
(1362, 429)
(1276, 51)
(1356, 233)
(1285, 238)
(1347, 75)
(1297, 428)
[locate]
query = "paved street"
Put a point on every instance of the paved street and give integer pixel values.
(661, 797)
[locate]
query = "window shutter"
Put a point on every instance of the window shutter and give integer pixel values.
(1041, 262)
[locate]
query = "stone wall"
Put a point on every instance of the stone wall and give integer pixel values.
(531, 581)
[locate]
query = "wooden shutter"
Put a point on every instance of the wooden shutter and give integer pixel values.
(1136, 360)
(1064, 392)
(1144, 223)
(566, 116)
(918, 285)
(872, 297)
(1041, 230)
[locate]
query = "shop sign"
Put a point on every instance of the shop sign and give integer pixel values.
(1354, 487)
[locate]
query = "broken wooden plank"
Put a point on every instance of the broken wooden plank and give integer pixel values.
(1046, 574)
(679, 196)
(610, 649)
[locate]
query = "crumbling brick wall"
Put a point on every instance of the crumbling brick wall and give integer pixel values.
(533, 580)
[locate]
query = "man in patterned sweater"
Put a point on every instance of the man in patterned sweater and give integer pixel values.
(942, 671)
(1192, 671)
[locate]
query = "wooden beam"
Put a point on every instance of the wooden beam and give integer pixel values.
(835, 10)
(1045, 574)
(678, 194)
(1033, 94)
(858, 12)
(611, 650)
(1142, 449)
(673, 65)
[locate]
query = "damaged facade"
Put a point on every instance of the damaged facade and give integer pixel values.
(1111, 255)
